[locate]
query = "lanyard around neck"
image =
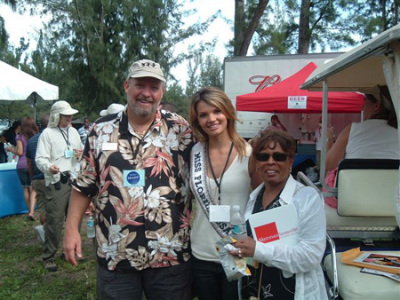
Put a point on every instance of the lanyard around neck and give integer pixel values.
(223, 171)
(65, 136)
(135, 153)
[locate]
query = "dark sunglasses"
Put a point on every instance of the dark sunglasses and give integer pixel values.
(277, 156)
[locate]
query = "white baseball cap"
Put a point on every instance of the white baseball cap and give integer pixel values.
(113, 108)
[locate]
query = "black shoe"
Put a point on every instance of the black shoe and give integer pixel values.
(50, 265)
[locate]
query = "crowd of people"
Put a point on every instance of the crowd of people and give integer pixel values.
(143, 168)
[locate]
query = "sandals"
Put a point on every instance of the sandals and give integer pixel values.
(30, 218)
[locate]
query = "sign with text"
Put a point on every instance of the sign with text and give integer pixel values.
(278, 226)
(297, 102)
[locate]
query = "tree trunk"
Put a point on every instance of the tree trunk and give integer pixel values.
(244, 35)
(384, 15)
(304, 27)
(239, 26)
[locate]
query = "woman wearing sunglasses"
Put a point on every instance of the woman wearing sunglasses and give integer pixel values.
(284, 272)
(219, 179)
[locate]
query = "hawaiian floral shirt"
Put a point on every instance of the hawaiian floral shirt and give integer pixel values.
(146, 226)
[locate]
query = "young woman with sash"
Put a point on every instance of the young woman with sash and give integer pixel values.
(219, 178)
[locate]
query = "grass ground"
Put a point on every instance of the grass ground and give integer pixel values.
(22, 275)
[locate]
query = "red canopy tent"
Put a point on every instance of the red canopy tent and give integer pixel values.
(287, 97)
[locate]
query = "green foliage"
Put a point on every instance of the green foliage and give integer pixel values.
(367, 18)
(17, 110)
(276, 35)
(333, 24)
(204, 69)
(89, 44)
(3, 36)
(175, 95)
(279, 29)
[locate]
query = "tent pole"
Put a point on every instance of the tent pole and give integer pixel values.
(324, 138)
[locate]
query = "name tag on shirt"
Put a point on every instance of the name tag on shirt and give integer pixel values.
(133, 178)
(109, 146)
(68, 153)
(220, 213)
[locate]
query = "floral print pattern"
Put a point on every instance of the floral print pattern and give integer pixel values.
(144, 226)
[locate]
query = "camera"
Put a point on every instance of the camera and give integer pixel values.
(57, 185)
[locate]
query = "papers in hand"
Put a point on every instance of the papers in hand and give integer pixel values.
(278, 226)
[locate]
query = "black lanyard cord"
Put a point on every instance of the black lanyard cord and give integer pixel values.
(223, 171)
(135, 153)
(65, 136)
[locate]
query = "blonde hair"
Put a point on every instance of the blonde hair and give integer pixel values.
(217, 98)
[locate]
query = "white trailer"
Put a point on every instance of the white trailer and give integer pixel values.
(243, 75)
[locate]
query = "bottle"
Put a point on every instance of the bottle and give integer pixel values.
(40, 233)
(238, 223)
(90, 227)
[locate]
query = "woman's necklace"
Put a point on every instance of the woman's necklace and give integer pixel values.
(223, 170)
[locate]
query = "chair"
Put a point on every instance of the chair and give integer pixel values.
(365, 193)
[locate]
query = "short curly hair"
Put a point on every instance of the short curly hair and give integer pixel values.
(284, 139)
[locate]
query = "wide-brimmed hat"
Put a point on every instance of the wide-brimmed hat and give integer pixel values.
(60, 108)
(146, 68)
(113, 108)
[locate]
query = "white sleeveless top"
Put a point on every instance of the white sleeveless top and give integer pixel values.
(235, 190)
(373, 138)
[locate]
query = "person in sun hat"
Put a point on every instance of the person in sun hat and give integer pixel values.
(113, 108)
(58, 151)
(135, 170)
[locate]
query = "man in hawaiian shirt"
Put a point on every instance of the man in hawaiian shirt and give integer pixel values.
(134, 168)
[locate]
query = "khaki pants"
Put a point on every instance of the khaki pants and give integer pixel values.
(56, 211)
(40, 188)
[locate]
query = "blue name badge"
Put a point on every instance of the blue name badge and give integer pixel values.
(133, 178)
(68, 153)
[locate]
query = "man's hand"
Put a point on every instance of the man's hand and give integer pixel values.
(54, 169)
(72, 246)
(78, 153)
(72, 238)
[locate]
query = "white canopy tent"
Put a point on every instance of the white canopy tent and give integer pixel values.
(376, 61)
(16, 85)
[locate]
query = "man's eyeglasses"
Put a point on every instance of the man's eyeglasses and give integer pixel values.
(277, 156)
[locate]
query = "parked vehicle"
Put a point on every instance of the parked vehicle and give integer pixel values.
(368, 213)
